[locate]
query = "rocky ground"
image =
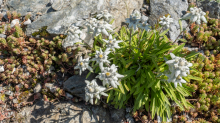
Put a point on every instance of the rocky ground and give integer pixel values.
(58, 16)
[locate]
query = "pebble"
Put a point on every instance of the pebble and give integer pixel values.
(2, 36)
(9, 93)
(2, 68)
(37, 88)
(144, 18)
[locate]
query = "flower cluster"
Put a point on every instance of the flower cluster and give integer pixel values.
(195, 15)
(108, 75)
(179, 68)
(82, 65)
(165, 21)
(92, 90)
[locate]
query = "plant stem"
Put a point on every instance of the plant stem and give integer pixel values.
(181, 33)
(130, 39)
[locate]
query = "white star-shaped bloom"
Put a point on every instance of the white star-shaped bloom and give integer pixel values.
(165, 21)
(102, 27)
(112, 43)
(195, 15)
(109, 76)
(93, 90)
(176, 80)
(74, 31)
(179, 68)
(27, 22)
(132, 22)
(144, 26)
(82, 65)
(101, 57)
(104, 14)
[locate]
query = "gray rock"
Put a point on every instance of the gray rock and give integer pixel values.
(129, 118)
(144, 18)
(64, 112)
(71, 11)
(117, 115)
(176, 8)
(212, 6)
(76, 84)
(2, 36)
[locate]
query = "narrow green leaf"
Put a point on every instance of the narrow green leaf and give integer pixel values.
(181, 26)
(178, 48)
(164, 32)
(194, 78)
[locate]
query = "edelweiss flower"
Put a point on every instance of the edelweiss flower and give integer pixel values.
(195, 15)
(178, 67)
(92, 90)
(101, 57)
(165, 21)
(100, 27)
(74, 31)
(104, 14)
(176, 80)
(110, 76)
(82, 65)
(91, 24)
(136, 14)
(132, 22)
(144, 25)
(112, 43)
(14, 22)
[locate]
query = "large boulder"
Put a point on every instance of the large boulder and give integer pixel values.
(72, 11)
(212, 6)
(176, 8)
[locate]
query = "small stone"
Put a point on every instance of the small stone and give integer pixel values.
(51, 87)
(1, 88)
(143, 10)
(9, 93)
(2, 36)
(15, 101)
(27, 22)
(37, 88)
(69, 95)
(2, 68)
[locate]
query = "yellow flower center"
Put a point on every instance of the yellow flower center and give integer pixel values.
(91, 90)
(182, 63)
(178, 77)
(107, 74)
(100, 56)
(81, 63)
(110, 42)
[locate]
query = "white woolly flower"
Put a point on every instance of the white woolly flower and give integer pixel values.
(144, 26)
(109, 76)
(102, 27)
(136, 14)
(14, 22)
(82, 65)
(179, 68)
(112, 43)
(74, 31)
(101, 57)
(195, 15)
(104, 14)
(165, 21)
(93, 90)
(27, 22)
(133, 21)
(91, 24)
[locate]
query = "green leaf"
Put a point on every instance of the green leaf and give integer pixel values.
(121, 88)
(153, 107)
(88, 75)
(128, 74)
(164, 32)
(181, 26)
(191, 55)
(178, 48)
(126, 87)
(194, 78)
(183, 40)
